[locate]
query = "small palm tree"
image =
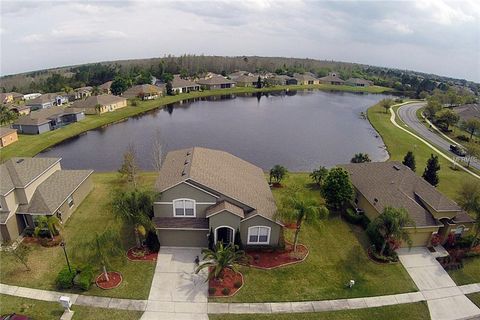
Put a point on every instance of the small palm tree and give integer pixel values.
(278, 173)
(50, 223)
(360, 158)
(318, 175)
(221, 258)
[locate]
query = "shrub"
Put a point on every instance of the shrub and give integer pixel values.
(472, 254)
(65, 278)
(29, 231)
(358, 219)
(152, 242)
(237, 284)
(226, 291)
(44, 233)
(465, 242)
(84, 279)
(463, 137)
(211, 291)
(374, 236)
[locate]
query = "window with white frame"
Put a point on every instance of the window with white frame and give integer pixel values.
(184, 208)
(258, 235)
(70, 201)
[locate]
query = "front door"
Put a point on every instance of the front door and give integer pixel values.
(225, 235)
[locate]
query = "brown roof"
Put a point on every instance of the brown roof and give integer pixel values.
(393, 184)
(44, 98)
(331, 78)
(215, 80)
(221, 172)
(6, 131)
(43, 115)
(140, 89)
(359, 81)
(246, 79)
(468, 111)
(225, 206)
(106, 85)
(183, 223)
(93, 101)
(304, 77)
(178, 82)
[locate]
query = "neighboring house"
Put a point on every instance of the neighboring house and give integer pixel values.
(17, 97)
(20, 109)
(180, 85)
(382, 184)
(305, 79)
(31, 96)
(37, 122)
(357, 82)
(99, 104)
(6, 98)
(216, 82)
(7, 136)
(246, 81)
(105, 87)
(143, 91)
(80, 93)
(468, 111)
(44, 101)
(240, 73)
(332, 78)
(283, 80)
(32, 187)
(203, 190)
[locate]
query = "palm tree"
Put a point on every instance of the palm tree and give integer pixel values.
(6, 115)
(135, 209)
(318, 175)
(390, 225)
(360, 158)
(50, 223)
(278, 173)
(221, 258)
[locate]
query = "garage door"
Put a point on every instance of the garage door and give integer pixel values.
(183, 238)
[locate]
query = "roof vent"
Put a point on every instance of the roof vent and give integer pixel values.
(186, 162)
(396, 167)
(183, 173)
(188, 153)
(20, 160)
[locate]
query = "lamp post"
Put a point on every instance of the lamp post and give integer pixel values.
(62, 244)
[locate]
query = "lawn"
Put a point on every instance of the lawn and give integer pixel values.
(45, 310)
(92, 216)
(30, 145)
(475, 297)
(337, 254)
(470, 273)
(411, 311)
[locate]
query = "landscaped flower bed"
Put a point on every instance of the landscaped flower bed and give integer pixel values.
(377, 258)
(270, 259)
(44, 242)
(227, 286)
(141, 254)
(114, 280)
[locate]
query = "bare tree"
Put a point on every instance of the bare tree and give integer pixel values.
(129, 168)
(157, 151)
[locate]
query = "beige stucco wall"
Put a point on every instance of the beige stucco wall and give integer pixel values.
(260, 221)
(11, 229)
(8, 139)
(78, 196)
(420, 236)
(25, 195)
(183, 238)
(370, 211)
(9, 202)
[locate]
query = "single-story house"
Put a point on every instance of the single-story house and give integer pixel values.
(358, 82)
(37, 122)
(305, 79)
(44, 101)
(105, 87)
(30, 96)
(283, 80)
(332, 78)
(32, 187)
(99, 104)
(80, 93)
(7, 136)
(382, 184)
(468, 111)
(246, 81)
(216, 82)
(143, 91)
(210, 192)
(180, 85)
(20, 109)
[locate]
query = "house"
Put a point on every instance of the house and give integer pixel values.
(33, 187)
(143, 91)
(37, 122)
(20, 109)
(7, 136)
(246, 81)
(180, 85)
(357, 82)
(6, 98)
(216, 81)
(17, 97)
(332, 78)
(31, 96)
(42, 102)
(305, 79)
(283, 80)
(99, 104)
(204, 190)
(80, 93)
(382, 184)
(105, 87)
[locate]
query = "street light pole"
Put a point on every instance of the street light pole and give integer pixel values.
(62, 244)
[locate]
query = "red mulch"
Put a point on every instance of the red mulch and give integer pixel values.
(229, 279)
(268, 259)
(146, 256)
(115, 278)
(276, 185)
(45, 242)
(290, 225)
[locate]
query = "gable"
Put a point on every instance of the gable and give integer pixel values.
(185, 190)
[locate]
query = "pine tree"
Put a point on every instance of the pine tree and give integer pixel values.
(431, 171)
(409, 160)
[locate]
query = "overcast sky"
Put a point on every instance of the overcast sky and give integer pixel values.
(429, 35)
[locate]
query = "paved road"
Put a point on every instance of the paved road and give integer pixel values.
(408, 114)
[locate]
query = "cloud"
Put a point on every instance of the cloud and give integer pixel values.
(69, 34)
(445, 13)
(389, 25)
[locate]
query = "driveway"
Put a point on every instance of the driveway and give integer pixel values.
(177, 292)
(444, 299)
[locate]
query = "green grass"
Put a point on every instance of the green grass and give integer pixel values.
(30, 145)
(337, 254)
(45, 310)
(470, 273)
(399, 143)
(93, 215)
(475, 297)
(411, 311)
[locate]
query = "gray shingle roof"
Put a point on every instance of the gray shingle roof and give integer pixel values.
(331, 78)
(44, 115)
(304, 77)
(178, 82)
(225, 206)
(215, 80)
(140, 89)
(6, 131)
(92, 101)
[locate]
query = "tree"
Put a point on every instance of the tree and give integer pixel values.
(473, 152)
(152, 242)
(337, 188)
(259, 82)
(386, 104)
(221, 258)
(433, 106)
(431, 171)
(319, 175)
(119, 85)
(390, 225)
(472, 126)
(360, 158)
(129, 168)
(95, 91)
(446, 118)
(409, 160)
(278, 173)
(50, 223)
(169, 88)
(6, 115)
(20, 253)
(135, 209)
(469, 200)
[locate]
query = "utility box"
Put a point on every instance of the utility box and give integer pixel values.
(65, 302)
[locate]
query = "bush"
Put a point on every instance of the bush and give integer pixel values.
(65, 278)
(152, 242)
(463, 137)
(44, 233)
(226, 291)
(29, 231)
(237, 284)
(211, 291)
(472, 254)
(358, 219)
(465, 242)
(84, 279)
(374, 236)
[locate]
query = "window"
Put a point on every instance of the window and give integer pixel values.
(258, 235)
(70, 201)
(184, 208)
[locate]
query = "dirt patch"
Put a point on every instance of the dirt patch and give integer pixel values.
(141, 254)
(228, 286)
(44, 242)
(114, 280)
(270, 259)
(290, 225)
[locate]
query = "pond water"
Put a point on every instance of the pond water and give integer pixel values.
(300, 130)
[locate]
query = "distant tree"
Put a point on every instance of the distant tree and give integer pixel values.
(95, 91)
(423, 95)
(319, 175)
(259, 82)
(6, 115)
(144, 78)
(278, 173)
(473, 152)
(157, 152)
(337, 188)
(469, 200)
(409, 160)
(129, 168)
(472, 126)
(166, 77)
(431, 171)
(224, 73)
(119, 85)
(446, 118)
(386, 104)
(169, 88)
(433, 106)
(360, 158)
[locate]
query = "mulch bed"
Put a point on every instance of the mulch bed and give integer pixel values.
(276, 185)
(231, 280)
(290, 225)
(141, 254)
(114, 280)
(45, 242)
(270, 259)
(376, 260)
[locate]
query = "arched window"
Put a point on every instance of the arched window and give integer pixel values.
(258, 235)
(184, 208)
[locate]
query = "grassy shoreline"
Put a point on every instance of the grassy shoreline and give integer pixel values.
(30, 145)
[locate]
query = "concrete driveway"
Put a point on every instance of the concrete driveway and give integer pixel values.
(176, 291)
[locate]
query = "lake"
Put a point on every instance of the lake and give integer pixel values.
(299, 130)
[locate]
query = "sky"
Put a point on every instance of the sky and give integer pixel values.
(434, 36)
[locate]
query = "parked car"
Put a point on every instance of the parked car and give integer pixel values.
(14, 316)
(459, 151)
